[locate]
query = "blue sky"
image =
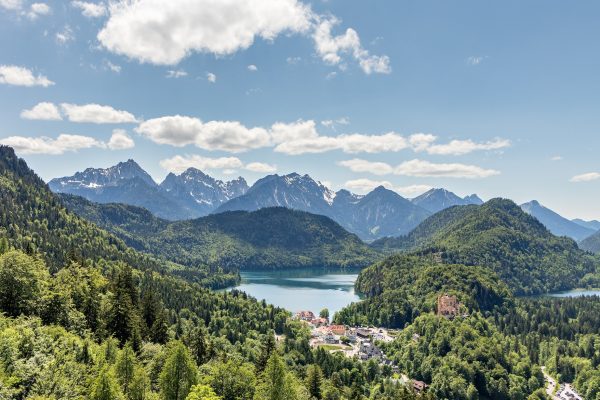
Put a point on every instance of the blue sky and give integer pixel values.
(499, 99)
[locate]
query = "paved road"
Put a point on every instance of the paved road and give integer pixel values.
(550, 384)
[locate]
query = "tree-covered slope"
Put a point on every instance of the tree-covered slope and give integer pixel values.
(402, 287)
(591, 243)
(500, 236)
(267, 238)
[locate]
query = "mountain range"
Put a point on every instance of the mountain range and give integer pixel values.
(194, 194)
(189, 195)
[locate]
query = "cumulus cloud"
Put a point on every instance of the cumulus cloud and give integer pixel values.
(45, 145)
(112, 67)
(96, 114)
(180, 131)
(376, 168)
(37, 9)
(331, 48)
(165, 32)
(363, 186)
(228, 165)
(295, 138)
(120, 140)
(252, 67)
(42, 111)
(421, 168)
(461, 147)
(90, 10)
(21, 76)
(179, 164)
(212, 78)
(590, 176)
(11, 4)
(261, 167)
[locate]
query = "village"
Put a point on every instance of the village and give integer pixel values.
(362, 341)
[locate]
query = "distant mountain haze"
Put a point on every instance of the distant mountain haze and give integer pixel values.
(556, 223)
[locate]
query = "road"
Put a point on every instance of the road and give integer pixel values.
(550, 384)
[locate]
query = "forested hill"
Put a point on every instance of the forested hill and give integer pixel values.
(500, 236)
(32, 219)
(267, 238)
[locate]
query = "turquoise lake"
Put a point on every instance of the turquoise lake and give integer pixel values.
(302, 289)
(576, 293)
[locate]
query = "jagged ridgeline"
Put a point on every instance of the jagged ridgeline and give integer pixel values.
(270, 238)
(499, 236)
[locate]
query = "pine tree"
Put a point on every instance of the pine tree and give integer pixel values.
(314, 380)
(199, 344)
(178, 374)
(268, 346)
(106, 387)
(125, 367)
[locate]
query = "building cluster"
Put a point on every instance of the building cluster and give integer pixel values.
(448, 306)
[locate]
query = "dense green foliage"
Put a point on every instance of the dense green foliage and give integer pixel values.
(269, 238)
(402, 287)
(498, 235)
(466, 359)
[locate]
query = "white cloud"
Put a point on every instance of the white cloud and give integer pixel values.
(180, 131)
(261, 167)
(212, 78)
(331, 48)
(348, 143)
(37, 9)
(461, 147)
(557, 158)
(45, 145)
(96, 114)
(165, 32)
(42, 111)
(112, 67)
(11, 4)
(358, 165)
(90, 10)
(178, 73)
(120, 140)
(420, 168)
(590, 176)
(282, 132)
(179, 164)
(363, 186)
(252, 68)
(65, 36)
(21, 76)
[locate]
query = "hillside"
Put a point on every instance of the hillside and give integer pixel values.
(402, 287)
(591, 243)
(500, 236)
(269, 238)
